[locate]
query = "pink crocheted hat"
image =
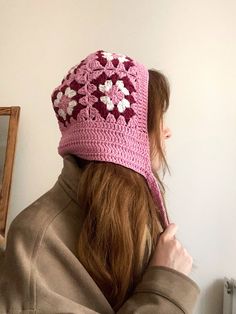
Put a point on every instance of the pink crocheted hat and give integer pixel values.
(101, 106)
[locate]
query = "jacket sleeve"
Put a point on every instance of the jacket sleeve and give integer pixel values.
(162, 290)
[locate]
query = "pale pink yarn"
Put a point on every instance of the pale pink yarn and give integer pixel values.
(101, 106)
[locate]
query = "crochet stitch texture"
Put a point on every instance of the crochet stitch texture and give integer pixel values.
(101, 107)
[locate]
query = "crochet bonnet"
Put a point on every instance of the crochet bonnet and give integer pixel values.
(101, 106)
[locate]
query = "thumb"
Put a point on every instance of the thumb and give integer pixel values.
(170, 230)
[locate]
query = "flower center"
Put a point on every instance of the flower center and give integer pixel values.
(115, 94)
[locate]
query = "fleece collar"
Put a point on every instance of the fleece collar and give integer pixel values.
(69, 177)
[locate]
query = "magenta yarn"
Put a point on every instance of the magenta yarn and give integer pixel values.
(101, 106)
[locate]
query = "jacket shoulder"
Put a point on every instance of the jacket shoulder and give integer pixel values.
(41, 210)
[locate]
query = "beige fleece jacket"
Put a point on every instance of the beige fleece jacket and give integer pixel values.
(40, 273)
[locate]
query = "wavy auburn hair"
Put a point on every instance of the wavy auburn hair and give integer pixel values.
(122, 225)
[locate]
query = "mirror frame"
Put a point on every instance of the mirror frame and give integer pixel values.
(14, 113)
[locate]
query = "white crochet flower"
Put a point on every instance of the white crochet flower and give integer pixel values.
(107, 101)
(109, 56)
(70, 107)
(120, 84)
(122, 58)
(123, 104)
(63, 102)
(106, 87)
(114, 91)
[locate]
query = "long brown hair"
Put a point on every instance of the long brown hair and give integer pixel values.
(121, 226)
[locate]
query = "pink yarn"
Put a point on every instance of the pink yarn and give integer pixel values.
(101, 106)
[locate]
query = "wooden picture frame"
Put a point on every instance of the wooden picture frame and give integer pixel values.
(9, 119)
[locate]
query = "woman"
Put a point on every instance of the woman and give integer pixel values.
(100, 240)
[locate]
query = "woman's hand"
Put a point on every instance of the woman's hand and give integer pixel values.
(170, 252)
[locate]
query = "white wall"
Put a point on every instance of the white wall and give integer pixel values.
(193, 43)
